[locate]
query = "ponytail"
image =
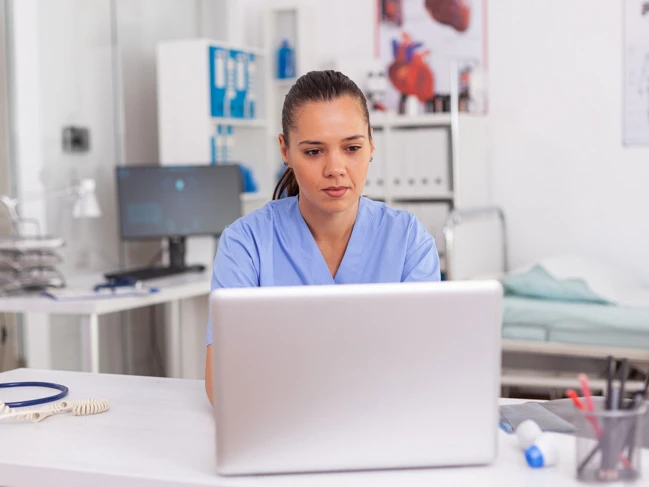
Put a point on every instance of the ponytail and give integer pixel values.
(287, 185)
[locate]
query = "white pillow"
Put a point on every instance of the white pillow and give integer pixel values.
(614, 283)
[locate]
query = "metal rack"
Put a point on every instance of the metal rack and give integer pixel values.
(29, 263)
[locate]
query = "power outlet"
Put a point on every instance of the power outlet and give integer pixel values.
(76, 139)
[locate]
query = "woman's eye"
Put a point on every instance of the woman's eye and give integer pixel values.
(354, 148)
(312, 152)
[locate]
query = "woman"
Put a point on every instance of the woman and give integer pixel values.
(323, 231)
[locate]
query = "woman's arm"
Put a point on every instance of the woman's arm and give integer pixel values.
(234, 266)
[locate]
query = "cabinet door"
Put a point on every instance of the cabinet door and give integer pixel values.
(432, 148)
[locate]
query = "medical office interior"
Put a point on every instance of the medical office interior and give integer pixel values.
(516, 132)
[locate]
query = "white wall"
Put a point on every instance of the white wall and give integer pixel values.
(560, 171)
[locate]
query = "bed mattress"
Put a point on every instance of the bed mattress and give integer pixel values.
(575, 322)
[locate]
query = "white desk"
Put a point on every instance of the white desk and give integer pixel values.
(173, 289)
(160, 432)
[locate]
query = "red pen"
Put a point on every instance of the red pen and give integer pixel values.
(572, 394)
(583, 379)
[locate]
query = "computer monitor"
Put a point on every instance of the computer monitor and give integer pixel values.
(176, 202)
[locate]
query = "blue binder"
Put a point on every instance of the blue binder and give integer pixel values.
(240, 77)
(218, 80)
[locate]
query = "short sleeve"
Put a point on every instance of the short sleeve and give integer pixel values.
(422, 258)
(235, 265)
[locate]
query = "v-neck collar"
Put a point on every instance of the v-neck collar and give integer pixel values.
(347, 272)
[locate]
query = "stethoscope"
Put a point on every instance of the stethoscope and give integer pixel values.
(35, 402)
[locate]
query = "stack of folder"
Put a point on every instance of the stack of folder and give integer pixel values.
(29, 264)
(419, 163)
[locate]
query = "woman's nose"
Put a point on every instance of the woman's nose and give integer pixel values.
(335, 165)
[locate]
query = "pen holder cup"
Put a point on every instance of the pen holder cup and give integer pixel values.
(609, 444)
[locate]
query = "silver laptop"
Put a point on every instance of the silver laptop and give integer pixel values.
(355, 377)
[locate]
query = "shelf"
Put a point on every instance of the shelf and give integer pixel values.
(239, 122)
(424, 120)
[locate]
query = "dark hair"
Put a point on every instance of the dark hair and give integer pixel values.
(314, 86)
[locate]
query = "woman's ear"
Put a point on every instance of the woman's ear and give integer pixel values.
(283, 148)
(371, 143)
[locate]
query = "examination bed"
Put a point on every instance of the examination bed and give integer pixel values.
(559, 316)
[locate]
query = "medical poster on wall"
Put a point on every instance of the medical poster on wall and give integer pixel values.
(420, 42)
(636, 72)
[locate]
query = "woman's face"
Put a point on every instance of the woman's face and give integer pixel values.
(329, 151)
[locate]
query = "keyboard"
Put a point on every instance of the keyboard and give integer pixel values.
(146, 273)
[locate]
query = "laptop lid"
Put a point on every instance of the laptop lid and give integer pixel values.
(348, 377)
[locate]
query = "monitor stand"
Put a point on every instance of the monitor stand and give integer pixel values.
(176, 247)
(176, 265)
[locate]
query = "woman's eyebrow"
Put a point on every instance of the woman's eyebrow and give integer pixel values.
(353, 137)
(317, 142)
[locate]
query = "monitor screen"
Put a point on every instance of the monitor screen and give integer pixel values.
(177, 201)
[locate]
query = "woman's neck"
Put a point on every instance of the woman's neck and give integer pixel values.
(327, 227)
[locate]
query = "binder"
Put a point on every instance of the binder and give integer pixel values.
(218, 79)
(230, 90)
(411, 163)
(250, 108)
(396, 158)
(434, 165)
(239, 77)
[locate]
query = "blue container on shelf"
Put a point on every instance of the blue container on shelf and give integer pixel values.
(285, 61)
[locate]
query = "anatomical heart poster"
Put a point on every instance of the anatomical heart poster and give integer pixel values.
(424, 44)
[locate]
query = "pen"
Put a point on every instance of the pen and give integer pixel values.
(609, 381)
(572, 394)
(606, 441)
(583, 379)
(624, 371)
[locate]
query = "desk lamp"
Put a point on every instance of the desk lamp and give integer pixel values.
(82, 192)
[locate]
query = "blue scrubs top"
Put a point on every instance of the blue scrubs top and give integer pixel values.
(273, 246)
